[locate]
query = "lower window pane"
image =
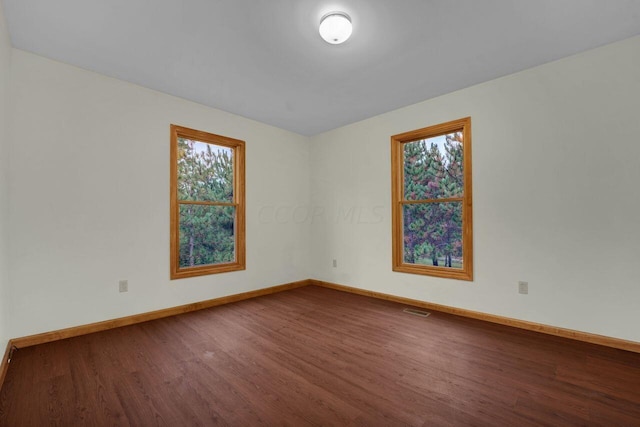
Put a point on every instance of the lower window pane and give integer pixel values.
(206, 235)
(432, 234)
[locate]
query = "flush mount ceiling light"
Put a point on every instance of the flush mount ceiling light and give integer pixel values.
(335, 27)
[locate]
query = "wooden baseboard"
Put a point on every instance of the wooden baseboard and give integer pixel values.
(144, 317)
(522, 324)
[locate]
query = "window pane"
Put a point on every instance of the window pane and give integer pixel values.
(206, 235)
(205, 171)
(432, 234)
(433, 168)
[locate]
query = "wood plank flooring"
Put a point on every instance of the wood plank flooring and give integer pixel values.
(315, 356)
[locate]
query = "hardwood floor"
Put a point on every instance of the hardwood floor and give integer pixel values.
(316, 356)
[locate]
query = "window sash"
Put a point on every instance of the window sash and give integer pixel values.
(399, 201)
(238, 203)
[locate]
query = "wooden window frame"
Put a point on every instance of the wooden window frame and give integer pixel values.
(238, 202)
(398, 201)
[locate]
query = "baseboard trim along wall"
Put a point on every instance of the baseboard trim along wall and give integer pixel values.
(173, 311)
(145, 317)
(522, 324)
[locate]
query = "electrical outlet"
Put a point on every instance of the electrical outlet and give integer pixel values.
(523, 287)
(335, 263)
(123, 286)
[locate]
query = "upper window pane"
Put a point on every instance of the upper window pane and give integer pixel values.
(433, 167)
(205, 171)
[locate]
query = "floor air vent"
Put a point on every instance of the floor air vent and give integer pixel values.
(416, 312)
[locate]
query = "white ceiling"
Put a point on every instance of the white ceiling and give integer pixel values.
(265, 60)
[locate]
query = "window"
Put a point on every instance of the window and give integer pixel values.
(207, 203)
(431, 201)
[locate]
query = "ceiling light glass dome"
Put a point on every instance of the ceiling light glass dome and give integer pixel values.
(335, 27)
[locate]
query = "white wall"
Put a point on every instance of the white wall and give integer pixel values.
(90, 198)
(556, 181)
(5, 66)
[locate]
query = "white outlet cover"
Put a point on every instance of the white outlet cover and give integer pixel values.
(523, 287)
